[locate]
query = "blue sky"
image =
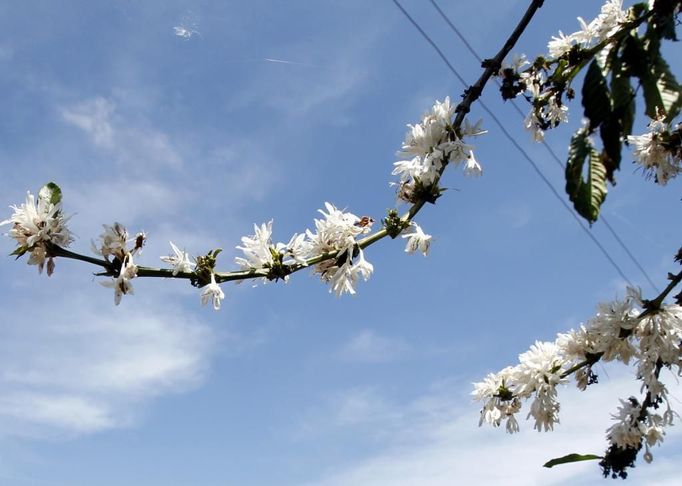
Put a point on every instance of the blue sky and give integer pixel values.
(196, 139)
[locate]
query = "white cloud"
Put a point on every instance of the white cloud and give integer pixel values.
(435, 441)
(93, 117)
(131, 145)
(73, 368)
(369, 347)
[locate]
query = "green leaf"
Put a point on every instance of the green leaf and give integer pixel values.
(19, 251)
(610, 132)
(661, 90)
(622, 97)
(51, 192)
(596, 100)
(587, 194)
(571, 458)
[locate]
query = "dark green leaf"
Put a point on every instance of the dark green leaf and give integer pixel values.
(571, 458)
(622, 97)
(634, 56)
(595, 93)
(587, 194)
(661, 90)
(51, 192)
(19, 251)
(610, 132)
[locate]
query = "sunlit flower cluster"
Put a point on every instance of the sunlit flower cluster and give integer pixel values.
(657, 152)
(549, 109)
(619, 331)
(536, 376)
(429, 146)
(605, 24)
(261, 253)
(338, 232)
(115, 240)
(38, 224)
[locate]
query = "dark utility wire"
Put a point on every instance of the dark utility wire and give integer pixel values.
(516, 145)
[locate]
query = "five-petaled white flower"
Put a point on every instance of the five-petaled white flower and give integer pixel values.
(121, 284)
(417, 240)
(212, 292)
(180, 261)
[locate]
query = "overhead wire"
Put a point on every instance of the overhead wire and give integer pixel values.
(521, 150)
(549, 149)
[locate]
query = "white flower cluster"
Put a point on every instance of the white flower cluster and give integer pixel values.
(260, 252)
(653, 155)
(537, 375)
(335, 233)
(114, 243)
(35, 225)
(619, 331)
(432, 144)
(548, 109)
(636, 425)
(604, 25)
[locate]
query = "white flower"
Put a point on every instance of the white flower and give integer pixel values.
(180, 261)
(121, 284)
(629, 430)
(36, 224)
(260, 252)
(555, 112)
(559, 46)
(533, 125)
(114, 242)
(475, 130)
(212, 292)
(337, 232)
(500, 404)
(653, 156)
(417, 240)
(472, 167)
(256, 248)
(343, 279)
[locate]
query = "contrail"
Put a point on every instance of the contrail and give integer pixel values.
(282, 61)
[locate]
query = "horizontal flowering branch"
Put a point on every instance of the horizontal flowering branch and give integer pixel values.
(334, 250)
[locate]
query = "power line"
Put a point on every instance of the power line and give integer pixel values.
(516, 145)
(545, 144)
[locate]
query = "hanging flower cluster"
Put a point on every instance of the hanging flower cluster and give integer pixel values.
(603, 26)
(620, 331)
(659, 151)
(36, 225)
(545, 82)
(428, 147)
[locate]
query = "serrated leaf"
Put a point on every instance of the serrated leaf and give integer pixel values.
(661, 90)
(587, 194)
(622, 97)
(571, 458)
(595, 96)
(51, 192)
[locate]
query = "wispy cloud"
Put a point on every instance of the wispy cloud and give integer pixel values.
(130, 145)
(434, 439)
(368, 346)
(72, 369)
